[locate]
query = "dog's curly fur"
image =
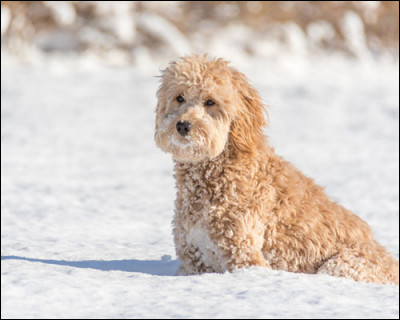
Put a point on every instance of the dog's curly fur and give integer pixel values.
(238, 203)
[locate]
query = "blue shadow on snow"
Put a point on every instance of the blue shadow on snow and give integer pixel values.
(163, 267)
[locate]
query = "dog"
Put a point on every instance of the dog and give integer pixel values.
(238, 203)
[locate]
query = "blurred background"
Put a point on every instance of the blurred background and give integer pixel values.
(149, 33)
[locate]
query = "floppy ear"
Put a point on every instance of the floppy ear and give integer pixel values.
(248, 123)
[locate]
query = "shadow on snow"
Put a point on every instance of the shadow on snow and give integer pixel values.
(163, 267)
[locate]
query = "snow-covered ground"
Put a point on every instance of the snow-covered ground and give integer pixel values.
(87, 199)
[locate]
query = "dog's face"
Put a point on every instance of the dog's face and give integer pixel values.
(201, 108)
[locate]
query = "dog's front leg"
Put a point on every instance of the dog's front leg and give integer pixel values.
(190, 261)
(240, 243)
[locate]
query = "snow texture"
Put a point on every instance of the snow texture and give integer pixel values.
(87, 199)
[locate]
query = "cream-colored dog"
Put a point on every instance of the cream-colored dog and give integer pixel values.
(238, 203)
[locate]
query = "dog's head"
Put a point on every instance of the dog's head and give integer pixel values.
(204, 105)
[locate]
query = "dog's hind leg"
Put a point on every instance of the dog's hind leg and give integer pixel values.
(366, 261)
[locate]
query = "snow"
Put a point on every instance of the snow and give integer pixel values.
(87, 199)
(159, 27)
(355, 35)
(64, 12)
(5, 19)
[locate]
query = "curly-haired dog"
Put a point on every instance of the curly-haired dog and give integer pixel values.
(238, 203)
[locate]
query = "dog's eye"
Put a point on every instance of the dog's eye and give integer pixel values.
(209, 103)
(180, 99)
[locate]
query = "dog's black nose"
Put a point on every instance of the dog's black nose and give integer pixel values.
(183, 127)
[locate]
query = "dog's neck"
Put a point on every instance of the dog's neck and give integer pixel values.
(213, 168)
(206, 168)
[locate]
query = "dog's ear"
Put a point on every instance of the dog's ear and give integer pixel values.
(248, 123)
